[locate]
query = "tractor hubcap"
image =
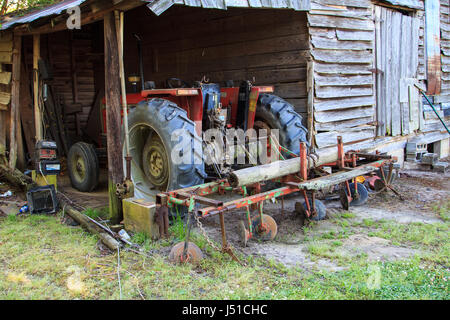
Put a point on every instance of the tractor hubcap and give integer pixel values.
(156, 163)
(79, 168)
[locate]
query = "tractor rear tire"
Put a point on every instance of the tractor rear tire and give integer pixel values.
(163, 117)
(82, 163)
(279, 114)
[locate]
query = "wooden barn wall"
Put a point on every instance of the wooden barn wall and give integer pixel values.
(421, 71)
(235, 44)
(6, 48)
(442, 101)
(70, 58)
(445, 50)
(342, 40)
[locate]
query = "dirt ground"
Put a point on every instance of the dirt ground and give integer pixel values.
(422, 190)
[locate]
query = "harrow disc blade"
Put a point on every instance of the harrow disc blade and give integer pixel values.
(193, 255)
(267, 230)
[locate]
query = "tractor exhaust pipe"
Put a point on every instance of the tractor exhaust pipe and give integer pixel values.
(141, 61)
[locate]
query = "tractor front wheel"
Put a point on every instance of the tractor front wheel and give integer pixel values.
(82, 163)
(165, 148)
(273, 112)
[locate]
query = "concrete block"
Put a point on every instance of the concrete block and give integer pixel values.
(139, 216)
(429, 158)
(442, 148)
(440, 167)
(414, 147)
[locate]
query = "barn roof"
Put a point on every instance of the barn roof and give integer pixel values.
(159, 6)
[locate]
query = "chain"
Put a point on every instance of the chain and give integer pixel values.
(203, 231)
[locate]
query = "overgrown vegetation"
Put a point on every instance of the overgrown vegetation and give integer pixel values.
(22, 6)
(42, 258)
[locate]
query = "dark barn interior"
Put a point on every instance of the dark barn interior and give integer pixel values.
(269, 47)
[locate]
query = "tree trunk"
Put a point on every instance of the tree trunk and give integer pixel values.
(276, 169)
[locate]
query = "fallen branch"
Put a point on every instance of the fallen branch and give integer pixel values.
(84, 221)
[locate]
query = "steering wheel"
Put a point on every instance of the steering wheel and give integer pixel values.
(179, 83)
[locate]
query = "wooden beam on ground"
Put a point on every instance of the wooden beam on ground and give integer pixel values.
(113, 117)
(37, 111)
(15, 127)
(90, 226)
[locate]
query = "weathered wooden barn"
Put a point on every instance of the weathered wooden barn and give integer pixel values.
(350, 67)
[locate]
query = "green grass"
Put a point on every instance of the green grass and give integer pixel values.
(97, 213)
(42, 258)
(442, 210)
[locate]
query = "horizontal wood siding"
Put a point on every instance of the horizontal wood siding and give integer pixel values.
(342, 40)
(270, 46)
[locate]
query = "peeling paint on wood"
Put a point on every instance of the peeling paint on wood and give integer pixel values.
(432, 38)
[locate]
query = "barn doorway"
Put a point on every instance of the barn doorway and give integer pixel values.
(397, 60)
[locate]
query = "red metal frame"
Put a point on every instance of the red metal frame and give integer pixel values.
(191, 100)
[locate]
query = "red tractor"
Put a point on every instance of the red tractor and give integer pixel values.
(154, 114)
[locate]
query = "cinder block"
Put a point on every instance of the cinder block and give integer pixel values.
(442, 148)
(440, 167)
(414, 147)
(139, 216)
(429, 158)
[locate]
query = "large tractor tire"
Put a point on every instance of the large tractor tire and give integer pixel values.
(82, 163)
(272, 112)
(151, 125)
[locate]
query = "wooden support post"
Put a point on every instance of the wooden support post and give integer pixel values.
(303, 161)
(37, 110)
(113, 118)
(310, 102)
(15, 153)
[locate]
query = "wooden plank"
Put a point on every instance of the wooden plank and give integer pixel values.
(336, 68)
(326, 139)
(341, 56)
(387, 45)
(6, 36)
(291, 90)
(310, 101)
(3, 128)
(15, 126)
(354, 35)
(379, 76)
(339, 22)
(5, 77)
(324, 43)
(340, 80)
(338, 92)
(6, 46)
(37, 112)
(360, 14)
(5, 57)
(5, 98)
(345, 114)
(345, 103)
(348, 3)
(433, 47)
(113, 118)
(341, 125)
(396, 46)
